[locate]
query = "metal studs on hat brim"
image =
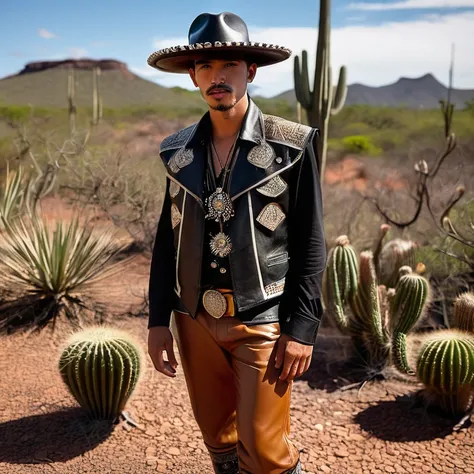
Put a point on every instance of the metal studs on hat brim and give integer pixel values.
(179, 58)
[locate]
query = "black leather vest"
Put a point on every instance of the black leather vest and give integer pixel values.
(270, 149)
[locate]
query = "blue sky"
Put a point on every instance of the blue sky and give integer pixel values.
(378, 41)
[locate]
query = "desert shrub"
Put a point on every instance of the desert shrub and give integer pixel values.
(49, 264)
(360, 144)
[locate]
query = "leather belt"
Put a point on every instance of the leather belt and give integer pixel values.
(219, 302)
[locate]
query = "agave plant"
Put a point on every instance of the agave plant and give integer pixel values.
(11, 195)
(377, 318)
(101, 367)
(49, 264)
(446, 368)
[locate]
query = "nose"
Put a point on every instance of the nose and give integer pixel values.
(219, 76)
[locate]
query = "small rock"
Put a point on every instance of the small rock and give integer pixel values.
(165, 427)
(173, 451)
(342, 453)
(151, 432)
(319, 427)
(149, 416)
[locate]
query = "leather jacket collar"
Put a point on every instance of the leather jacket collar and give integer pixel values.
(252, 129)
(243, 174)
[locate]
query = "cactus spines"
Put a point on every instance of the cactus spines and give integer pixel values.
(394, 254)
(101, 367)
(463, 312)
(406, 307)
(341, 279)
(446, 367)
(322, 101)
(366, 304)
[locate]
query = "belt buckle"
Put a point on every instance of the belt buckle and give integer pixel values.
(214, 303)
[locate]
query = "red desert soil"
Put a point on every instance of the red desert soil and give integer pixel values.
(43, 430)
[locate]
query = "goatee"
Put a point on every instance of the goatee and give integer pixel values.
(223, 107)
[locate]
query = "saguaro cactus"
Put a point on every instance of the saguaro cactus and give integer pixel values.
(71, 96)
(101, 367)
(96, 97)
(322, 101)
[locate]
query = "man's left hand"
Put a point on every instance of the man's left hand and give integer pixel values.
(294, 356)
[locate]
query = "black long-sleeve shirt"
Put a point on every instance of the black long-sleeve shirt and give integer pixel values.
(300, 308)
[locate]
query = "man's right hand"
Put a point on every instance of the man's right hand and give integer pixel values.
(160, 339)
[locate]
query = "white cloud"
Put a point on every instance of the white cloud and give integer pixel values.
(77, 53)
(374, 55)
(46, 34)
(412, 4)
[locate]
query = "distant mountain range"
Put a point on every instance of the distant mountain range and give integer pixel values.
(421, 92)
(44, 84)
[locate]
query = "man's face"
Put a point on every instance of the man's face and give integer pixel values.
(222, 82)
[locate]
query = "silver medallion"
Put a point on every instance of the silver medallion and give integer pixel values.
(275, 288)
(221, 245)
(271, 216)
(183, 157)
(175, 215)
(173, 166)
(214, 303)
(174, 189)
(273, 188)
(261, 155)
(219, 206)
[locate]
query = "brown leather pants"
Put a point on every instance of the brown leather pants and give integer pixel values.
(242, 409)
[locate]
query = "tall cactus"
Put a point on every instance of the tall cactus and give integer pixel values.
(322, 101)
(71, 96)
(377, 318)
(96, 97)
(101, 367)
(411, 293)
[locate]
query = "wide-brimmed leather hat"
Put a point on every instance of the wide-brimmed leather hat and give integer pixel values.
(217, 35)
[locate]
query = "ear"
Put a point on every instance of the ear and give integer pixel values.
(192, 75)
(252, 72)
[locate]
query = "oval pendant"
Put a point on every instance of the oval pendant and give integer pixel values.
(219, 206)
(221, 245)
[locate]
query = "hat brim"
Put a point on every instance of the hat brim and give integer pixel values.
(179, 59)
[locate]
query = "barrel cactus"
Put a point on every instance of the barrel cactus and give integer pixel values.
(101, 367)
(445, 366)
(377, 318)
(463, 312)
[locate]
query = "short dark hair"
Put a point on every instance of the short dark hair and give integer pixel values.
(229, 55)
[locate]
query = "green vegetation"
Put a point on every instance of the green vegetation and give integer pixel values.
(376, 299)
(101, 367)
(360, 144)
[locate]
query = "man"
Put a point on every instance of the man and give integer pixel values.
(239, 253)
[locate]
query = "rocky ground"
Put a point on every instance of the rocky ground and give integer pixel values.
(376, 430)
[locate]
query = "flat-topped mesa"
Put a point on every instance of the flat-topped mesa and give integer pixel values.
(85, 64)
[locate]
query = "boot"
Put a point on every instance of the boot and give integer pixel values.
(225, 463)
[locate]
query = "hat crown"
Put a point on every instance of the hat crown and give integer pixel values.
(223, 27)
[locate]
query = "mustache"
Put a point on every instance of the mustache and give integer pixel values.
(224, 87)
